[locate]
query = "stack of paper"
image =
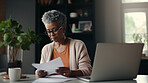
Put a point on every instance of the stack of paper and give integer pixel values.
(53, 78)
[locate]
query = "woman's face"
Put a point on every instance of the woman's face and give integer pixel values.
(55, 31)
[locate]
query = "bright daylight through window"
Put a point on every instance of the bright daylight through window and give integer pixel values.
(133, 1)
(135, 22)
(135, 27)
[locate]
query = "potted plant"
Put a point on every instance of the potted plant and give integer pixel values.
(141, 38)
(16, 40)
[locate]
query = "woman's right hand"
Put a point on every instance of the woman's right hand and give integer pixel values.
(42, 73)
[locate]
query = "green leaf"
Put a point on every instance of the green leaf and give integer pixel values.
(20, 39)
(2, 44)
(26, 46)
(28, 29)
(14, 23)
(11, 32)
(7, 37)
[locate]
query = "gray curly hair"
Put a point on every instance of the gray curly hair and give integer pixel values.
(54, 15)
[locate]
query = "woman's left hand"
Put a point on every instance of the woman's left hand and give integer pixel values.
(65, 71)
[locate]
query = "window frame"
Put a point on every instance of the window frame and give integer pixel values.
(133, 2)
(133, 7)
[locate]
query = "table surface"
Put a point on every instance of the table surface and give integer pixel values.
(31, 77)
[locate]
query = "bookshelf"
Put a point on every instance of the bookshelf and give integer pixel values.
(78, 12)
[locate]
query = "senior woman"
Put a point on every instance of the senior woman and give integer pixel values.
(72, 52)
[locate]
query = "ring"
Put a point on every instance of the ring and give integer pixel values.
(64, 74)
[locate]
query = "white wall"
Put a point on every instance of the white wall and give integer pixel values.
(24, 12)
(108, 21)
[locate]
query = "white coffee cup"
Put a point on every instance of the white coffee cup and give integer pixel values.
(14, 74)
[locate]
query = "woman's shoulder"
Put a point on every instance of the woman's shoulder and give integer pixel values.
(76, 41)
(48, 45)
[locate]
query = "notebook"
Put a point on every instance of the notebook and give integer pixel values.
(115, 61)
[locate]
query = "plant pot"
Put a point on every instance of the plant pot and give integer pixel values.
(14, 57)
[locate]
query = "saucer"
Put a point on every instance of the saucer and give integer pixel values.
(7, 77)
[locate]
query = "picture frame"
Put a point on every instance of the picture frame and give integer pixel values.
(85, 25)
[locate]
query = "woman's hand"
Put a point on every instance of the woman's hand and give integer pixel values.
(65, 71)
(42, 73)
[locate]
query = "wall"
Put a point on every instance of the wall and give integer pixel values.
(108, 21)
(24, 12)
(2, 17)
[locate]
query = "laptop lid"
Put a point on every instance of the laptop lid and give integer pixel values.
(116, 61)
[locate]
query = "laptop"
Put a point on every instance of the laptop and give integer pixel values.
(115, 61)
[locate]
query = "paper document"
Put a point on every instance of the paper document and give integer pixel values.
(53, 79)
(50, 66)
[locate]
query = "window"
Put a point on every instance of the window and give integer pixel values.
(135, 18)
(135, 27)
